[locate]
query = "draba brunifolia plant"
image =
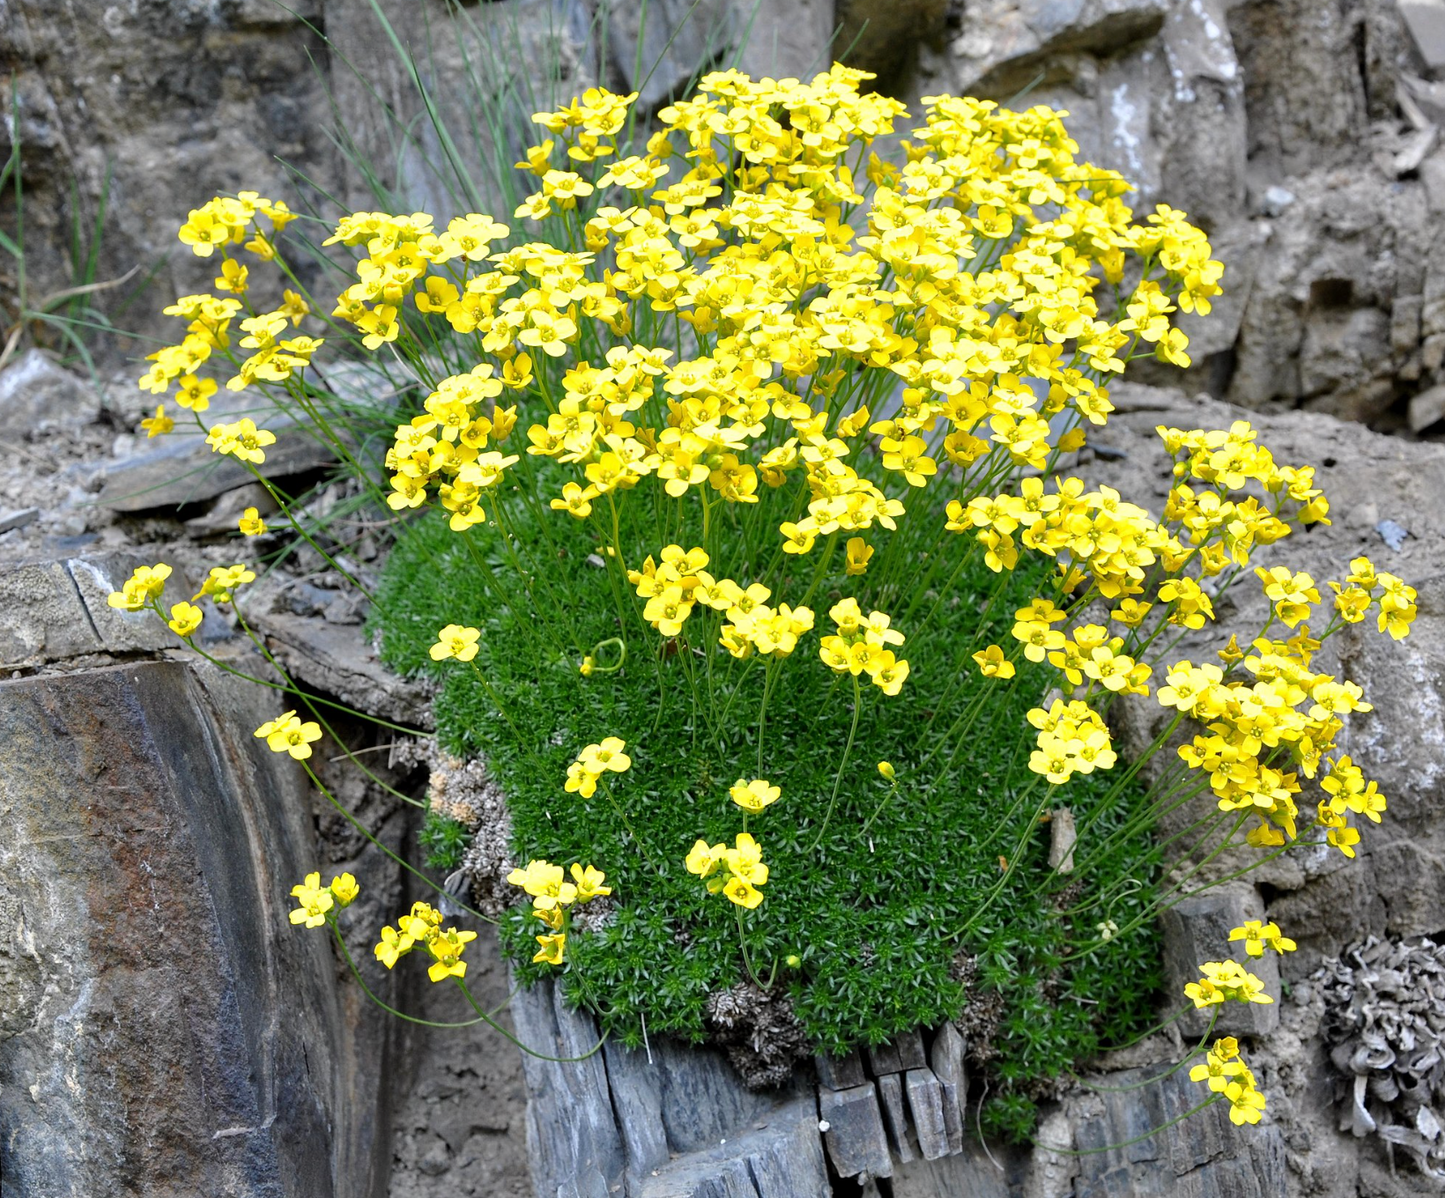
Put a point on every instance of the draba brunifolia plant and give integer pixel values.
(735, 525)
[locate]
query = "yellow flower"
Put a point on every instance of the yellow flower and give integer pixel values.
(159, 424)
(241, 439)
(250, 523)
(604, 757)
(223, 580)
(142, 588)
(886, 769)
(755, 795)
(703, 858)
(194, 393)
(993, 664)
(457, 641)
(344, 889)
(589, 882)
(295, 738)
(446, 947)
(1257, 936)
(1225, 981)
(553, 950)
(859, 553)
(315, 901)
(393, 946)
(742, 892)
(185, 619)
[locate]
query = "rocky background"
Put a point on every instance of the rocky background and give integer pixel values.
(1303, 134)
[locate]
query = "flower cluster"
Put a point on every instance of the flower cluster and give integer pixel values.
(594, 761)
(862, 646)
(1226, 1073)
(318, 901)
(1072, 740)
(288, 733)
(423, 925)
(736, 872)
(552, 895)
(1225, 981)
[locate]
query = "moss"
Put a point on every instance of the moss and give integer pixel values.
(877, 922)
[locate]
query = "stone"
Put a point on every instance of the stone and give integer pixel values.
(669, 1120)
(36, 394)
(895, 1115)
(19, 518)
(95, 579)
(925, 1104)
(1125, 1150)
(42, 617)
(839, 1073)
(337, 660)
(1426, 22)
(855, 1139)
(572, 1135)
(946, 1059)
(1427, 408)
(135, 803)
(978, 1172)
(1196, 929)
(184, 470)
(896, 1055)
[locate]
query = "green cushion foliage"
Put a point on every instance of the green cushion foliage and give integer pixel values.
(877, 921)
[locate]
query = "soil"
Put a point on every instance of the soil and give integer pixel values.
(460, 1127)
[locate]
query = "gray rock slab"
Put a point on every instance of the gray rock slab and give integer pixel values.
(855, 1139)
(1426, 21)
(900, 1053)
(166, 1029)
(183, 469)
(123, 631)
(42, 617)
(1197, 930)
(925, 1104)
(338, 659)
(572, 1134)
(36, 393)
(946, 1058)
(895, 1115)
(781, 1156)
(1204, 1156)
(18, 518)
(839, 1073)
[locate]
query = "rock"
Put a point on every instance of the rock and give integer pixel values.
(1202, 1155)
(1426, 22)
(896, 1055)
(895, 1116)
(572, 1137)
(165, 1029)
(946, 1058)
(222, 516)
(19, 518)
(183, 469)
(52, 611)
(855, 1140)
(925, 1104)
(1427, 408)
(669, 1121)
(36, 394)
(839, 1073)
(1196, 930)
(1001, 41)
(883, 36)
(336, 659)
(977, 1172)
